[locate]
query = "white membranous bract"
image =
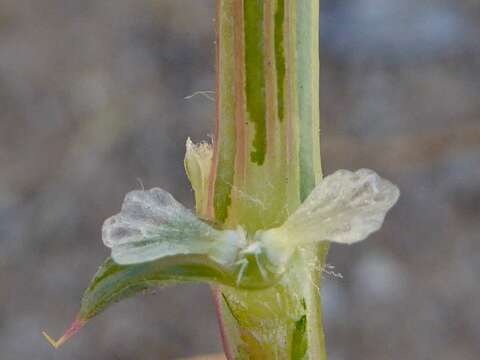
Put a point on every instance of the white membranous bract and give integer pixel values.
(153, 225)
(345, 207)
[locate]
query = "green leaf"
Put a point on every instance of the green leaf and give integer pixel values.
(113, 283)
(300, 340)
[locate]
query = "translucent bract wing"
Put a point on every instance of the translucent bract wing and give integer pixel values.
(152, 225)
(346, 207)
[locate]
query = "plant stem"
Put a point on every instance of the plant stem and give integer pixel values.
(266, 161)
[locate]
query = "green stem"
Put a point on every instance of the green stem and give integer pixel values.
(266, 161)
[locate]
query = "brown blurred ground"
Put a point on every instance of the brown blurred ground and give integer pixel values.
(208, 357)
(92, 103)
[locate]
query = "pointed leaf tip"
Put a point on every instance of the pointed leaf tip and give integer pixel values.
(74, 328)
(50, 340)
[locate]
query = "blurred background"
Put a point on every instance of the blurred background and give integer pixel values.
(92, 101)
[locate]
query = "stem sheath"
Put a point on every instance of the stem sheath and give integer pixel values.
(266, 162)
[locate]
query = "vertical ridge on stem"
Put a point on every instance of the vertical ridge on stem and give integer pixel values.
(241, 118)
(280, 57)
(254, 50)
(223, 167)
(308, 93)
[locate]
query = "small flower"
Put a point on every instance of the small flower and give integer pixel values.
(346, 207)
